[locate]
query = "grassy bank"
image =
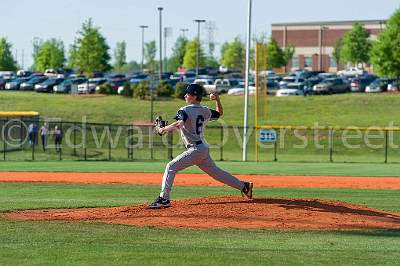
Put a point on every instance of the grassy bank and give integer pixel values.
(338, 110)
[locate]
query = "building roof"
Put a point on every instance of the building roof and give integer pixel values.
(342, 22)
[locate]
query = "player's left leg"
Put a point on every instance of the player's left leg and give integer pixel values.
(209, 166)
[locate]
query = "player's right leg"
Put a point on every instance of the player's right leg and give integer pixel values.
(182, 161)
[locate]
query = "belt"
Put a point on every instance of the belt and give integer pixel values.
(194, 144)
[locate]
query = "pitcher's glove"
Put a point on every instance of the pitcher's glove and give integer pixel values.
(158, 124)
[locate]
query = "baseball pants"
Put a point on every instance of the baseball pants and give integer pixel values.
(200, 156)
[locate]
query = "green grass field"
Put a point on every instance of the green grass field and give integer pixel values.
(336, 110)
(79, 243)
(265, 168)
(84, 243)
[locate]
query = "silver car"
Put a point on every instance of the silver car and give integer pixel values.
(331, 85)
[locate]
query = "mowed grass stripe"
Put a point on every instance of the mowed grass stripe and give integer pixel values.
(262, 168)
(354, 109)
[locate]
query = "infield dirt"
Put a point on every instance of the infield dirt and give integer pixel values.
(232, 212)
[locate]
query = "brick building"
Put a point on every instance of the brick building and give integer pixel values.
(314, 42)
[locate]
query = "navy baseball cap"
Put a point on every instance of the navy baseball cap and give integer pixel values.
(194, 89)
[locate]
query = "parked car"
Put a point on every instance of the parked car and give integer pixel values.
(15, 84)
(203, 82)
(220, 85)
(90, 85)
(30, 84)
(359, 84)
(116, 85)
(291, 89)
(240, 90)
(393, 86)
(325, 75)
(331, 85)
(7, 75)
(51, 73)
(352, 71)
(66, 85)
(137, 78)
(290, 79)
(378, 85)
(47, 86)
(24, 73)
(272, 86)
(180, 76)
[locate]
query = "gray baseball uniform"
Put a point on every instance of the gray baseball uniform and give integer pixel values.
(195, 118)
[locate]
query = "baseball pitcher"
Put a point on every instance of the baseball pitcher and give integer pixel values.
(191, 120)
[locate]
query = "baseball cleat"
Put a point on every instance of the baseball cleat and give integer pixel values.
(160, 203)
(247, 191)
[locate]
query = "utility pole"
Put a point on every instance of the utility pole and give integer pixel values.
(198, 21)
(23, 54)
(143, 27)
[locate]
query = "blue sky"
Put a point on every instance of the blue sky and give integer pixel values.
(23, 20)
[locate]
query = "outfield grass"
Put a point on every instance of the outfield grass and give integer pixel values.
(18, 196)
(335, 110)
(78, 243)
(263, 168)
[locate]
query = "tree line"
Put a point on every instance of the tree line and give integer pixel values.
(90, 52)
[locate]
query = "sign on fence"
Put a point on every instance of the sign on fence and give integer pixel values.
(267, 135)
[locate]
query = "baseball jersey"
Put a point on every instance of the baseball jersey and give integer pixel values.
(195, 118)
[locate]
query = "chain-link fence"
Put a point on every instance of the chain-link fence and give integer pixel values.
(33, 139)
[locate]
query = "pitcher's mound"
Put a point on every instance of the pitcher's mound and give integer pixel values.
(232, 212)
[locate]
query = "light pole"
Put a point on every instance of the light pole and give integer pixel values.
(246, 85)
(167, 33)
(183, 32)
(198, 21)
(143, 27)
(160, 9)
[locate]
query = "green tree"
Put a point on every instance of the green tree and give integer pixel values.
(356, 45)
(92, 50)
(37, 43)
(385, 54)
(50, 55)
(119, 55)
(288, 53)
(234, 54)
(132, 66)
(72, 55)
(150, 51)
(275, 55)
(7, 62)
(337, 51)
(189, 60)
(210, 61)
(178, 54)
